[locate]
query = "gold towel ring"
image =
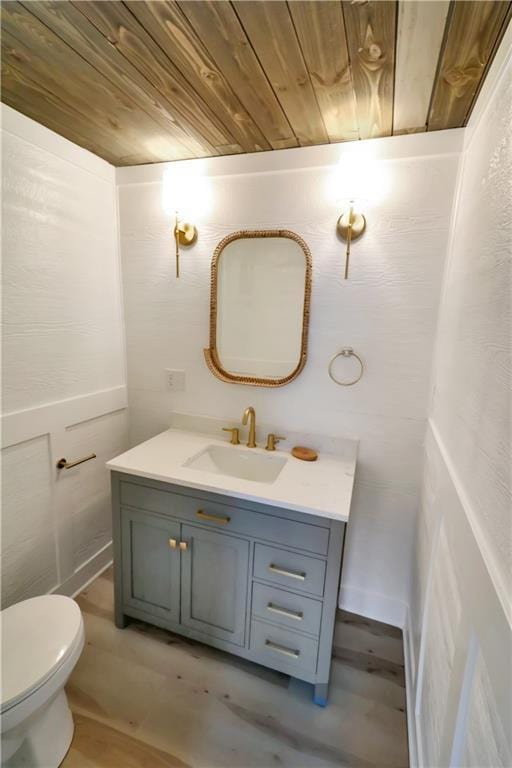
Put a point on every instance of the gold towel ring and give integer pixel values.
(345, 352)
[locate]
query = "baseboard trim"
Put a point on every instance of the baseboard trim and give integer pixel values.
(373, 605)
(86, 573)
(410, 674)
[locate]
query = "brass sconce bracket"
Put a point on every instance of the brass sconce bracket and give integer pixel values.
(184, 234)
(350, 227)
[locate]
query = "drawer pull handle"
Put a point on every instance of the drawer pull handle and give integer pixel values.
(282, 649)
(173, 543)
(183, 546)
(213, 518)
(285, 612)
(300, 575)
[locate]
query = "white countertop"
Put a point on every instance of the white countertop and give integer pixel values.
(322, 487)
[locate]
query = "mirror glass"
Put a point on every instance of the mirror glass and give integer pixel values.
(261, 282)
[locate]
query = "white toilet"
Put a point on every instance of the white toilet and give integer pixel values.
(42, 639)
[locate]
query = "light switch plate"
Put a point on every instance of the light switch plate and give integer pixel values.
(174, 380)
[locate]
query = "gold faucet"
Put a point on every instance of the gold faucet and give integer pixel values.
(235, 437)
(272, 441)
(250, 413)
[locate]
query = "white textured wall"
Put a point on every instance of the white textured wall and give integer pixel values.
(62, 345)
(461, 606)
(387, 311)
(471, 406)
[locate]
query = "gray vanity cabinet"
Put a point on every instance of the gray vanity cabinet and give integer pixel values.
(151, 579)
(214, 583)
(254, 580)
(204, 587)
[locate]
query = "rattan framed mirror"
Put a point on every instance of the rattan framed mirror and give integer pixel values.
(259, 307)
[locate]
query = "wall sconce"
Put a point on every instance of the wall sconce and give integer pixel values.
(350, 226)
(184, 234)
(358, 181)
(186, 195)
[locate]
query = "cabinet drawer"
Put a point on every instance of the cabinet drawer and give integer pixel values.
(227, 517)
(296, 612)
(289, 569)
(282, 649)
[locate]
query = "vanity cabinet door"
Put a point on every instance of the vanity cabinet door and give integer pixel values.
(151, 564)
(214, 576)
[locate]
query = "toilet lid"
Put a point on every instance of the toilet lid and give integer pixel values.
(37, 637)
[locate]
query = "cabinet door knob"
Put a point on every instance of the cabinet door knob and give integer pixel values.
(173, 543)
(183, 546)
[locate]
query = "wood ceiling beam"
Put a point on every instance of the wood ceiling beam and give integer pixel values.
(169, 27)
(321, 32)
(183, 115)
(471, 38)
(420, 35)
(33, 100)
(45, 59)
(270, 30)
(123, 32)
(146, 81)
(371, 33)
(218, 27)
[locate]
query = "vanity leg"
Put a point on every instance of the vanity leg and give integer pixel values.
(320, 694)
(120, 619)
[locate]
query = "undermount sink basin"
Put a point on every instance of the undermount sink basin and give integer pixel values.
(237, 463)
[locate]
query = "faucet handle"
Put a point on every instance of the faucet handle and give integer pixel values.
(272, 441)
(235, 437)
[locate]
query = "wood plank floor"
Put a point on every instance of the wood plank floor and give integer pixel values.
(145, 698)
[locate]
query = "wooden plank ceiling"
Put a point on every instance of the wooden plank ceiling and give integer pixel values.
(142, 82)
